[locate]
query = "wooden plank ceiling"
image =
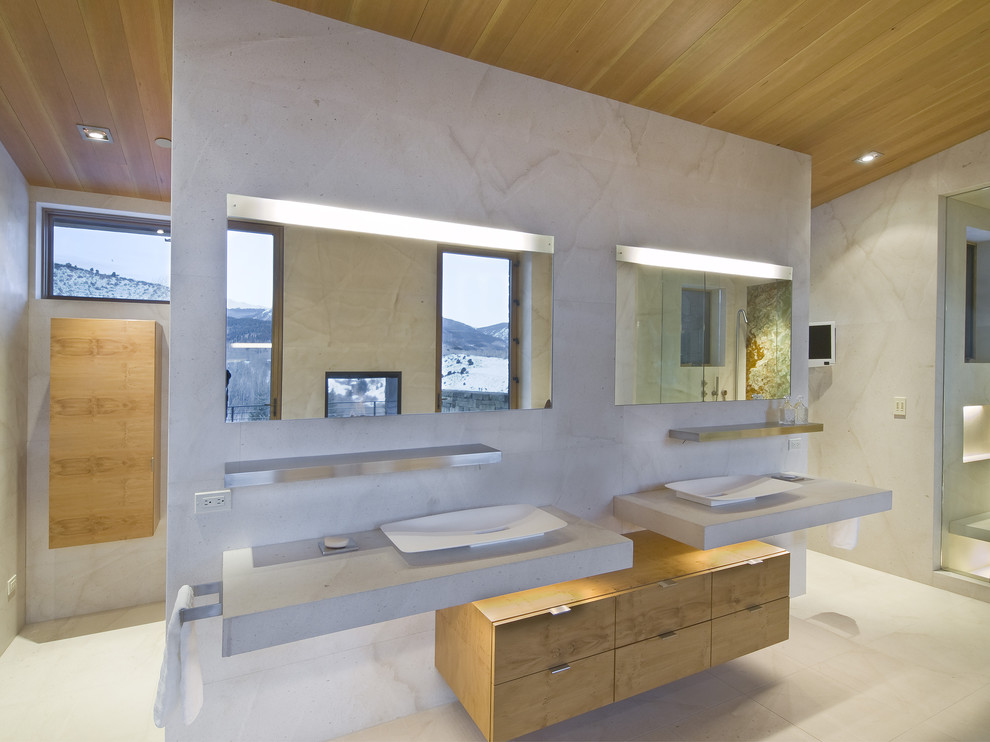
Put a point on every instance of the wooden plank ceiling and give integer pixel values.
(100, 62)
(831, 78)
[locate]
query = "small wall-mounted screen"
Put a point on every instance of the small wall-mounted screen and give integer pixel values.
(821, 344)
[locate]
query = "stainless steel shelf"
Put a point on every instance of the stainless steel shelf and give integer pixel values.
(738, 432)
(304, 468)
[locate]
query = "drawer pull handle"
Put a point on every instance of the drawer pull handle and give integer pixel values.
(755, 561)
(557, 610)
(559, 669)
(668, 635)
(666, 583)
(755, 608)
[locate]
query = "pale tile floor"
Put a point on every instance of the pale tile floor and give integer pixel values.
(871, 658)
(85, 679)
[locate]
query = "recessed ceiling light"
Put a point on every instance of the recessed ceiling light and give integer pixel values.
(869, 157)
(94, 133)
(164, 142)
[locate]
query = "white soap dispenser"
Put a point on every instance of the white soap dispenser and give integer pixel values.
(801, 412)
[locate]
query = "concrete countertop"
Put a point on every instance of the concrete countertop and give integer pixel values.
(815, 503)
(286, 592)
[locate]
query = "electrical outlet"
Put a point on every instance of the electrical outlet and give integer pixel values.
(11, 586)
(900, 407)
(794, 444)
(211, 502)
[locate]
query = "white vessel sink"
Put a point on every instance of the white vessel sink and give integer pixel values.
(472, 527)
(725, 490)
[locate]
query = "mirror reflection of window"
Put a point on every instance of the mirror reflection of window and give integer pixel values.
(476, 332)
(254, 255)
(702, 336)
(364, 394)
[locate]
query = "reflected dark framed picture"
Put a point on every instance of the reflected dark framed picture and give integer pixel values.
(363, 393)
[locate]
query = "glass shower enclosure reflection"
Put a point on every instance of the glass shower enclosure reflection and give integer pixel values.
(965, 502)
(700, 328)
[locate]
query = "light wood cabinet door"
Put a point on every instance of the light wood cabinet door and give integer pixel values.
(750, 629)
(105, 431)
(649, 664)
(545, 640)
(662, 607)
(549, 696)
(751, 583)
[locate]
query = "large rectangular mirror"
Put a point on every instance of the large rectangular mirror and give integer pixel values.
(335, 312)
(698, 328)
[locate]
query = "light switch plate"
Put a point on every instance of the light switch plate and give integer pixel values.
(900, 407)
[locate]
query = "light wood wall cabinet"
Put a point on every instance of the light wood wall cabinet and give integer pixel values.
(105, 434)
(524, 661)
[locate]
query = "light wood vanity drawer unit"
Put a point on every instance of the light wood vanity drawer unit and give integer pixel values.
(754, 582)
(523, 661)
(750, 629)
(662, 607)
(663, 659)
(552, 639)
(546, 697)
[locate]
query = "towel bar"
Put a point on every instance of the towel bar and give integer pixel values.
(204, 611)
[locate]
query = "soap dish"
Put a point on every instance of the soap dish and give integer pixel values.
(337, 545)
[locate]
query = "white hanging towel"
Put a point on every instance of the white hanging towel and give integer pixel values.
(844, 534)
(180, 684)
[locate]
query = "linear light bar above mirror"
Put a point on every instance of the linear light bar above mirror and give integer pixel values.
(274, 211)
(704, 263)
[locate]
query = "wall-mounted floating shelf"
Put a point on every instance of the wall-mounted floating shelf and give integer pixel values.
(304, 468)
(746, 430)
